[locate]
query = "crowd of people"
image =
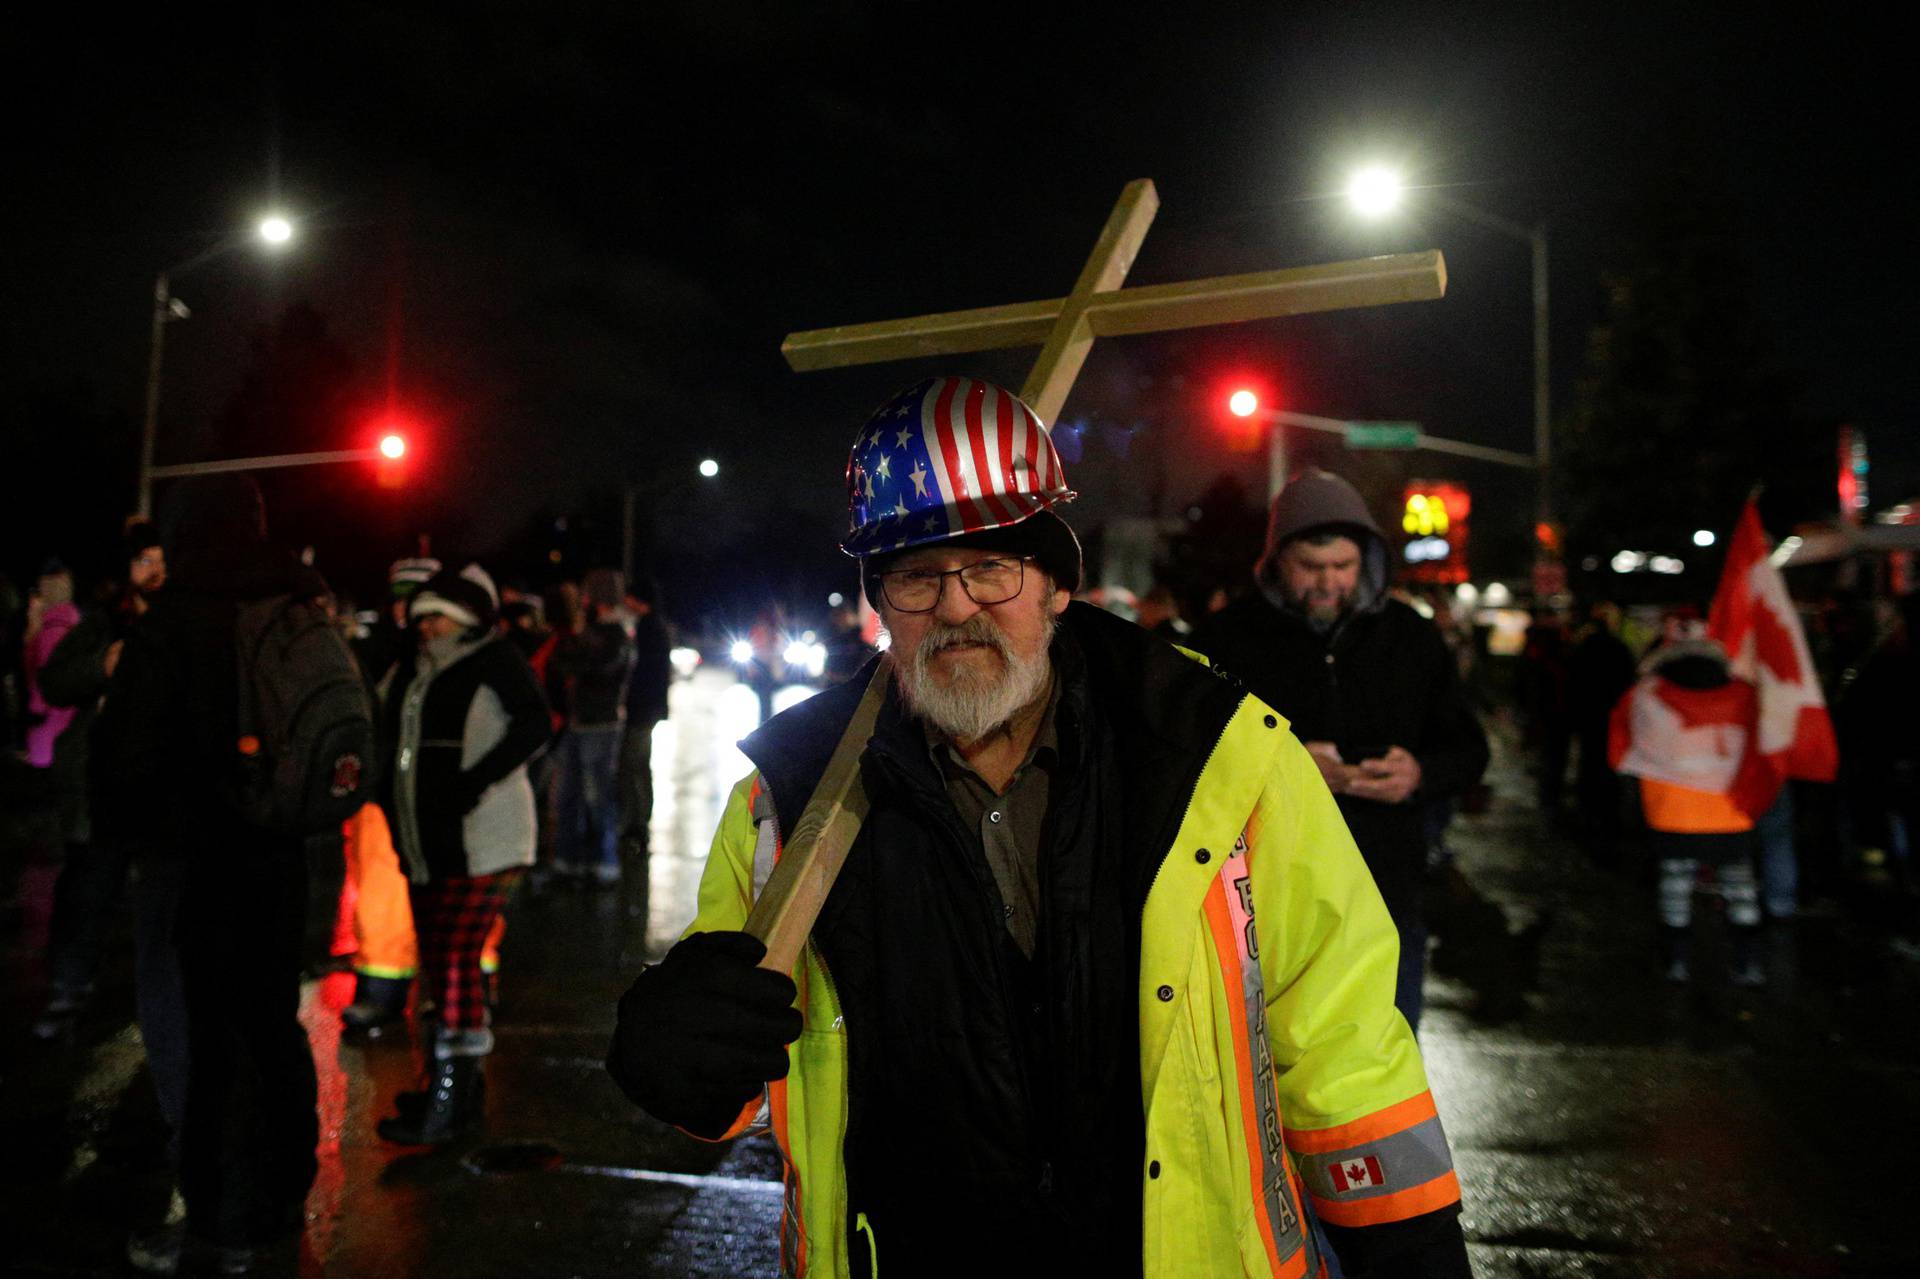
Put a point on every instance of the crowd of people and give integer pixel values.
(1070, 828)
(473, 730)
(1845, 840)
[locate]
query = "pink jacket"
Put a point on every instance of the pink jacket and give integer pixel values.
(59, 619)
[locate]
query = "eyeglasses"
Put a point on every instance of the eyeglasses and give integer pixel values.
(918, 590)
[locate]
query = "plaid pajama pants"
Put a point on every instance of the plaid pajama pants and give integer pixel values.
(452, 917)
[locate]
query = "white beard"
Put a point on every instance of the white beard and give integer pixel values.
(973, 703)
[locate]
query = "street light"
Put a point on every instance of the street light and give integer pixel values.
(275, 231)
(1375, 191)
(709, 467)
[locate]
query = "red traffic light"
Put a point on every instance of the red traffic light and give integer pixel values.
(1243, 403)
(393, 446)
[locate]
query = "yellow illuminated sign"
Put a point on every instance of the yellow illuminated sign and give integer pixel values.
(1425, 516)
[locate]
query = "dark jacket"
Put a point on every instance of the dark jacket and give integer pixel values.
(588, 675)
(458, 736)
(652, 668)
(1379, 678)
(164, 756)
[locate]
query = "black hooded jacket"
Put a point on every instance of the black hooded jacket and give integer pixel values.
(1379, 677)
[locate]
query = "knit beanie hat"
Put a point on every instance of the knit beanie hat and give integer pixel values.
(141, 535)
(468, 597)
(409, 575)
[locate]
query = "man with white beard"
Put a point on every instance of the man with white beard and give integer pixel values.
(1035, 1028)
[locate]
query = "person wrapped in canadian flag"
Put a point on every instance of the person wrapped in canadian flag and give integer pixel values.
(1686, 731)
(1721, 718)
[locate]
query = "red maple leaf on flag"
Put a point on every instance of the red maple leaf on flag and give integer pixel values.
(1754, 617)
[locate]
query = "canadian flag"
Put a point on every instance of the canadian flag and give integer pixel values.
(1755, 619)
(1356, 1174)
(1700, 738)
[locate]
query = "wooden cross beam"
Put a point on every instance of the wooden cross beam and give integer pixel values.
(1064, 328)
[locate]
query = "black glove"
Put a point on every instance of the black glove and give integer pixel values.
(701, 1031)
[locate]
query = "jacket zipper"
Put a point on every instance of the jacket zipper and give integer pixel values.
(847, 1215)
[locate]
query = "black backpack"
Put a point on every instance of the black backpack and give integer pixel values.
(306, 741)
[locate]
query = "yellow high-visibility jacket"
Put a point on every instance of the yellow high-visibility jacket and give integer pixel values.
(1272, 1061)
(1272, 1057)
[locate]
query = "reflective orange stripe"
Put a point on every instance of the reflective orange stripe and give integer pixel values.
(793, 1231)
(1227, 952)
(1398, 1206)
(1381, 1123)
(1221, 926)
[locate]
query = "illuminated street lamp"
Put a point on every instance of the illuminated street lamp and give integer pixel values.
(709, 467)
(275, 231)
(1375, 191)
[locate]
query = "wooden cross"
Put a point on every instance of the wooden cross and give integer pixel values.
(1064, 328)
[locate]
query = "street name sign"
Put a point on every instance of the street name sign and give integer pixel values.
(1383, 435)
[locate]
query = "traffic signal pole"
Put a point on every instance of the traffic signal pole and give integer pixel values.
(266, 463)
(1277, 419)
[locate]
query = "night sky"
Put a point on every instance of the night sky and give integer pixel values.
(566, 239)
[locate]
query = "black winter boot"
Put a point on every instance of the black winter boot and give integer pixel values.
(450, 1108)
(411, 1102)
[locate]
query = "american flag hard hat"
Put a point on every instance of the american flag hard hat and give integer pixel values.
(947, 457)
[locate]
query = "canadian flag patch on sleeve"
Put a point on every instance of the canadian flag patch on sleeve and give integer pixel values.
(1356, 1174)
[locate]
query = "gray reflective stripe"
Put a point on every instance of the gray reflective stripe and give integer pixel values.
(1271, 1149)
(766, 839)
(1406, 1159)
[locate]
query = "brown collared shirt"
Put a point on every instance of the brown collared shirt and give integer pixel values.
(1010, 824)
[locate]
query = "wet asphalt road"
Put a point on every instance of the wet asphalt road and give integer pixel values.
(1620, 1127)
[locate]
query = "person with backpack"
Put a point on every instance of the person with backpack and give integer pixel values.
(461, 721)
(198, 758)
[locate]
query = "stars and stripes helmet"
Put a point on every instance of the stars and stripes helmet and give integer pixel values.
(948, 457)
